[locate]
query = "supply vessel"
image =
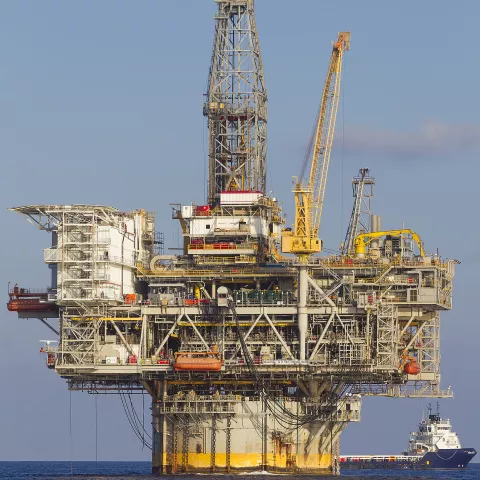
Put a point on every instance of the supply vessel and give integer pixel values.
(433, 446)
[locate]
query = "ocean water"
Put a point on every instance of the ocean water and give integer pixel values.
(141, 470)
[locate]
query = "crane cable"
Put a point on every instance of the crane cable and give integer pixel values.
(342, 93)
(309, 150)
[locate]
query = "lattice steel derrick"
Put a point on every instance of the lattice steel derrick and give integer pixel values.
(362, 186)
(236, 105)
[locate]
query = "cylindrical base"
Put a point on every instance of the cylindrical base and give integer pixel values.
(242, 437)
(249, 462)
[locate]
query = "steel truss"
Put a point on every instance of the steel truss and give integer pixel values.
(236, 105)
(355, 331)
(362, 186)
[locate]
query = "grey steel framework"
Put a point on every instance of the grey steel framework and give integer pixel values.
(360, 218)
(236, 105)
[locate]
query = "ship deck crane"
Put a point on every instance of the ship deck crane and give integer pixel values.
(303, 241)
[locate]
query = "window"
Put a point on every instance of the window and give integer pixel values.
(207, 227)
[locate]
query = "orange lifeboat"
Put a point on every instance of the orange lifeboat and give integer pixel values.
(412, 367)
(198, 361)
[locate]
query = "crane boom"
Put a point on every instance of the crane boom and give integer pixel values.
(325, 130)
(304, 241)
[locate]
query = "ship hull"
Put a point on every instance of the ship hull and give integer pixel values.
(446, 459)
(443, 459)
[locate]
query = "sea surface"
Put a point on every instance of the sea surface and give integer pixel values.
(141, 470)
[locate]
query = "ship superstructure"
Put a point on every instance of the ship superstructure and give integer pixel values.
(433, 434)
(254, 360)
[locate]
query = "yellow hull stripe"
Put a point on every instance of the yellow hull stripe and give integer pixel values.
(201, 461)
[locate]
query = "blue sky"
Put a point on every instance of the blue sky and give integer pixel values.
(101, 102)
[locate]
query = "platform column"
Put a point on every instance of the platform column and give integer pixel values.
(302, 312)
(159, 444)
(264, 436)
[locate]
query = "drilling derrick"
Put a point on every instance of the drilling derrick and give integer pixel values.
(236, 104)
(254, 361)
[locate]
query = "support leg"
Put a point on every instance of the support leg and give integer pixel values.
(228, 443)
(302, 312)
(213, 445)
(158, 429)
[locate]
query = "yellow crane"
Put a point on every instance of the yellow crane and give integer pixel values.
(361, 241)
(303, 241)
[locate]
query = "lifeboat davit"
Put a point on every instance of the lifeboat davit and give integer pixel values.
(412, 367)
(198, 361)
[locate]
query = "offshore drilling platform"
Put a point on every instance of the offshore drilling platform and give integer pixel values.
(255, 350)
